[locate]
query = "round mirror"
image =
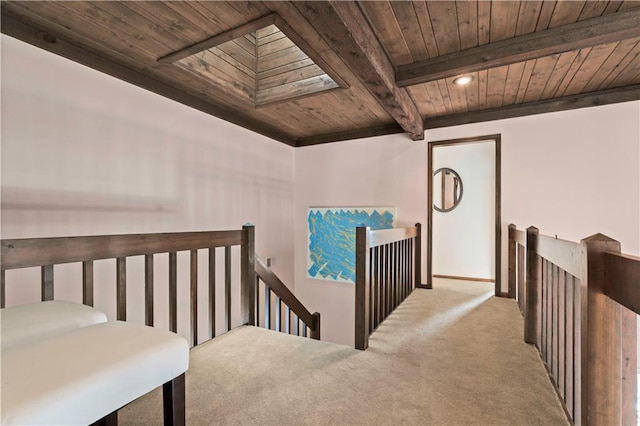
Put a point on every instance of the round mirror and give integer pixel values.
(447, 189)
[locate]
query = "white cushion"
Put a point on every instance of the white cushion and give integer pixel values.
(83, 375)
(29, 323)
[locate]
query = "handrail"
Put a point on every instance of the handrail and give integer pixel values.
(272, 281)
(565, 254)
(29, 252)
(388, 268)
(623, 280)
(46, 253)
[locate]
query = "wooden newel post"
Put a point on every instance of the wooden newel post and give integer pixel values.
(605, 355)
(532, 311)
(362, 288)
(315, 330)
(248, 276)
(512, 261)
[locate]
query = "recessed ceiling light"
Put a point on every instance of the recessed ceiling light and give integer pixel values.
(464, 80)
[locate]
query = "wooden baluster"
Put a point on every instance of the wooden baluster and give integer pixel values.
(173, 292)
(370, 301)
(304, 330)
(227, 288)
(512, 260)
(549, 320)
(257, 298)
(562, 327)
(375, 279)
(532, 327)
(570, 355)
(278, 314)
(297, 326)
(87, 282)
(267, 307)
(212, 292)
(148, 290)
(194, 296)
(287, 320)
(46, 273)
(2, 289)
(121, 288)
(555, 340)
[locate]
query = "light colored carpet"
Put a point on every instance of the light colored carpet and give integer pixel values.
(453, 355)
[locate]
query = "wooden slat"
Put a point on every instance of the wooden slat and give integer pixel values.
(193, 270)
(583, 34)
(3, 301)
(267, 308)
(571, 300)
(22, 253)
(87, 282)
(287, 320)
(562, 329)
(623, 280)
(555, 325)
(566, 254)
(148, 290)
(405, 15)
(597, 56)
(46, 285)
(467, 12)
(278, 319)
(121, 288)
(212, 292)
(528, 17)
(445, 26)
(504, 19)
(297, 74)
(566, 12)
(562, 66)
(173, 292)
(227, 288)
(248, 277)
(387, 28)
(532, 328)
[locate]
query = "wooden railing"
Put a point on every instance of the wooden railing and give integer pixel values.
(277, 313)
(581, 302)
(48, 252)
(387, 271)
(45, 253)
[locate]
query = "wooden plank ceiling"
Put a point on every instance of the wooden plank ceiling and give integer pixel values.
(314, 72)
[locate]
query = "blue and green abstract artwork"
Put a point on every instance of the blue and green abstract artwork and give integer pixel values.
(332, 239)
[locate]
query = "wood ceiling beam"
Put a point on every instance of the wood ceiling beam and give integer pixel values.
(345, 28)
(581, 100)
(590, 32)
(51, 42)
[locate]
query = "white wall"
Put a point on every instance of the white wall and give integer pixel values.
(463, 238)
(382, 171)
(84, 154)
(571, 173)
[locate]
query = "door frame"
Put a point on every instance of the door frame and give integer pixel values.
(496, 138)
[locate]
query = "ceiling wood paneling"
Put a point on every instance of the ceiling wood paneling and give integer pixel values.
(393, 62)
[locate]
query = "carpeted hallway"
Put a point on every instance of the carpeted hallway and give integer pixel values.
(452, 355)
